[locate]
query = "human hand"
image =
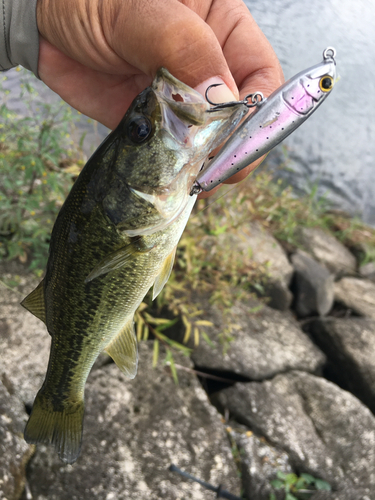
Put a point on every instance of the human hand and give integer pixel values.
(98, 55)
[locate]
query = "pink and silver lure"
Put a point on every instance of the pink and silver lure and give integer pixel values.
(274, 119)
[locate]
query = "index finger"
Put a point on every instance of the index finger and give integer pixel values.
(249, 55)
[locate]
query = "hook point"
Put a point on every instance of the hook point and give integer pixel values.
(206, 93)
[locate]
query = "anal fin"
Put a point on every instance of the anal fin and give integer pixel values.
(164, 274)
(34, 302)
(123, 350)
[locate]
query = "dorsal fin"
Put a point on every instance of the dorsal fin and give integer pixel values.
(123, 350)
(34, 302)
(164, 274)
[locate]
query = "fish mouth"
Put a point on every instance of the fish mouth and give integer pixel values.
(191, 133)
(186, 103)
(185, 114)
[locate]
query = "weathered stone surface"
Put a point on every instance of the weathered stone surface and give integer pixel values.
(24, 341)
(14, 451)
(368, 271)
(266, 342)
(349, 345)
(327, 250)
(253, 244)
(326, 431)
(312, 285)
(348, 494)
(356, 294)
(134, 430)
(278, 294)
(260, 462)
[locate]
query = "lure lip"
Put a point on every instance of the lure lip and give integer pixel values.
(273, 120)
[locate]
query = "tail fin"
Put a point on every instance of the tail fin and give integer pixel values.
(63, 429)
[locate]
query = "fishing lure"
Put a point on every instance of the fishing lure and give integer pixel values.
(274, 119)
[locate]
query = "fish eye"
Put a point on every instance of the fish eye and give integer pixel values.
(326, 83)
(139, 129)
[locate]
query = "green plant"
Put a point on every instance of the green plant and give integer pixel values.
(146, 323)
(297, 487)
(279, 210)
(38, 161)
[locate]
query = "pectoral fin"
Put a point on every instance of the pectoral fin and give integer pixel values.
(164, 274)
(118, 259)
(34, 302)
(123, 350)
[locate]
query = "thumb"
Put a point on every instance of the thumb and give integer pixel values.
(99, 55)
(169, 34)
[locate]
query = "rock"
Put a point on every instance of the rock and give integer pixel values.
(312, 285)
(361, 244)
(356, 294)
(266, 249)
(260, 462)
(278, 294)
(24, 340)
(325, 431)
(134, 430)
(327, 250)
(14, 451)
(265, 342)
(368, 271)
(253, 244)
(348, 494)
(349, 345)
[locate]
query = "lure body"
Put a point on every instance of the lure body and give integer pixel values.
(274, 119)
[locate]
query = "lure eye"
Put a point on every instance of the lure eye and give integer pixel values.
(326, 83)
(139, 129)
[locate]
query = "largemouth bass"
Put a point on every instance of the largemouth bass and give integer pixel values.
(114, 238)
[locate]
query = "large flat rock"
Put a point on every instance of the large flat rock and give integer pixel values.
(265, 342)
(349, 345)
(134, 430)
(327, 250)
(356, 294)
(252, 242)
(255, 247)
(325, 431)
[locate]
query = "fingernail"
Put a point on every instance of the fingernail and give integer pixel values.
(222, 93)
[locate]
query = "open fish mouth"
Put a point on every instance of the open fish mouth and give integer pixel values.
(191, 132)
(185, 113)
(185, 102)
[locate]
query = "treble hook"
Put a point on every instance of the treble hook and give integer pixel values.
(256, 100)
